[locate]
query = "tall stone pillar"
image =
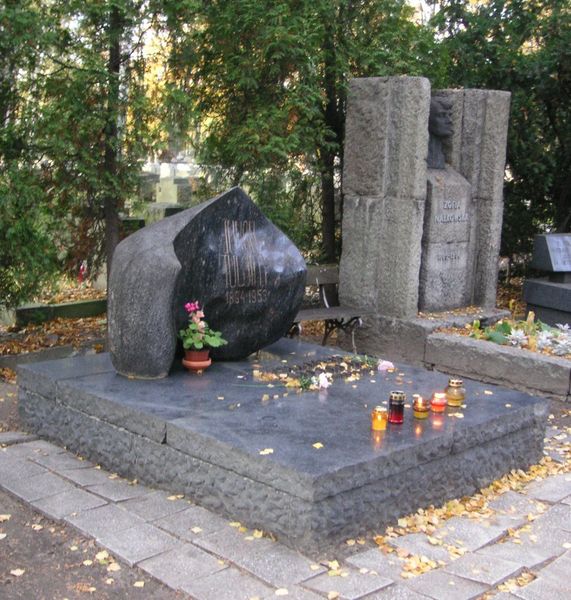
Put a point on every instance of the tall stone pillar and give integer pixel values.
(384, 185)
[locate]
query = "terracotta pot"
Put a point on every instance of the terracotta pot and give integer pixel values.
(196, 360)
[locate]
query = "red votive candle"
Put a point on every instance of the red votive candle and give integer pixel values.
(396, 407)
(438, 402)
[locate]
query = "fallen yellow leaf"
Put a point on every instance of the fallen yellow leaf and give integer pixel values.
(235, 524)
(113, 567)
(139, 584)
(281, 592)
(332, 595)
(37, 527)
(266, 451)
(17, 572)
(196, 529)
(102, 555)
(317, 445)
(4, 518)
(87, 562)
(2, 536)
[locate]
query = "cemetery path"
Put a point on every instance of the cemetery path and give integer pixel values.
(68, 530)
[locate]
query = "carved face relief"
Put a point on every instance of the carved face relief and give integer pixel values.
(440, 118)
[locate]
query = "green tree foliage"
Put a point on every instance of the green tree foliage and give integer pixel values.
(76, 122)
(523, 46)
(267, 81)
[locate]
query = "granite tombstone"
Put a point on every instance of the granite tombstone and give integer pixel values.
(550, 299)
(247, 275)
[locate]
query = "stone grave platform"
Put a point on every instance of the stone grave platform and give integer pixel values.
(246, 448)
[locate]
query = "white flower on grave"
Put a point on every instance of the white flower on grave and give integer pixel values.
(384, 365)
(517, 337)
(562, 326)
(322, 381)
(544, 340)
(562, 346)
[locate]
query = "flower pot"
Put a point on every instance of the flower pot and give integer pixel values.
(196, 360)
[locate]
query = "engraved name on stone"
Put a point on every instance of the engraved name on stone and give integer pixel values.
(445, 258)
(560, 249)
(447, 217)
(246, 278)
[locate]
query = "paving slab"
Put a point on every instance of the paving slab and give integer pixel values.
(416, 543)
(543, 589)
(440, 585)
(7, 438)
(68, 503)
(155, 505)
(86, 477)
(118, 490)
(61, 462)
(192, 523)
(101, 521)
(528, 555)
(271, 562)
(386, 565)
(396, 592)
(515, 505)
(469, 533)
(39, 486)
(138, 543)
(558, 517)
(181, 566)
(228, 584)
(552, 489)
(32, 449)
(295, 592)
(11, 467)
(557, 572)
(353, 586)
(484, 569)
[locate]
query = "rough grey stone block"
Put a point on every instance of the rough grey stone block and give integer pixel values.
(227, 584)
(39, 486)
(247, 275)
(138, 543)
(191, 523)
(356, 585)
(491, 571)
(552, 489)
(154, 506)
(440, 585)
(387, 565)
(101, 521)
(500, 364)
(67, 503)
(386, 138)
(470, 533)
(273, 563)
(7, 438)
(182, 566)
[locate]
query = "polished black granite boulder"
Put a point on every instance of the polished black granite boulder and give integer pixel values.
(247, 275)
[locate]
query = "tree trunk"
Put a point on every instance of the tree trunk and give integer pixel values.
(112, 199)
(328, 206)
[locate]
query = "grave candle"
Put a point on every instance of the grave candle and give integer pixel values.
(396, 407)
(379, 418)
(455, 392)
(438, 402)
(419, 407)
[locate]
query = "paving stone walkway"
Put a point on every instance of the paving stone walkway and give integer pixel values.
(526, 536)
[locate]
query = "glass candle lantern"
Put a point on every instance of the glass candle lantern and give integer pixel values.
(396, 407)
(379, 418)
(438, 402)
(455, 392)
(420, 407)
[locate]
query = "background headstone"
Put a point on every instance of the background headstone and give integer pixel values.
(247, 275)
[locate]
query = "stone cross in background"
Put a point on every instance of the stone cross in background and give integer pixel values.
(420, 236)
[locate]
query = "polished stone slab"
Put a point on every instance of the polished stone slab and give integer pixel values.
(246, 448)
